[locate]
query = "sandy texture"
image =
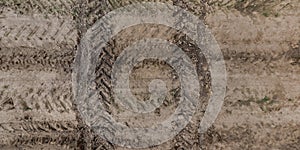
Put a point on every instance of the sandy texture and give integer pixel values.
(260, 41)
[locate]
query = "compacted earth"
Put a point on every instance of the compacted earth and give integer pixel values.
(259, 39)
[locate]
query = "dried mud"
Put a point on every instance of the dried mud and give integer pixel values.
(260, 41)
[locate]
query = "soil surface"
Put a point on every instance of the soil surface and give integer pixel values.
(260, 41)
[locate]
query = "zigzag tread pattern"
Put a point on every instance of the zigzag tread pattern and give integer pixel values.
(39, 60)
(54, 7)
(54, 99)
(96, 9)
(68, 138)
(34, 32)
(103, 78)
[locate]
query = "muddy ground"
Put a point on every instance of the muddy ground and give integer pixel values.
(260, 41)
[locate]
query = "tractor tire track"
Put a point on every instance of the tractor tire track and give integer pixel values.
(46, 7)
(37, 32)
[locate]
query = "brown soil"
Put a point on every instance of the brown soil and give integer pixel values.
(260, 41)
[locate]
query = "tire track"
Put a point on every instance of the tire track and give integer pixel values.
(245, 136)
(66, 139)
(95, 9)
(37, 126)
(53, 7)
(36, 107)
(272, 36)
(36, 59)
(37, 32)
(249, 7)
(27, 94)
(38, 40)
(109, 54)
(37, 45)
